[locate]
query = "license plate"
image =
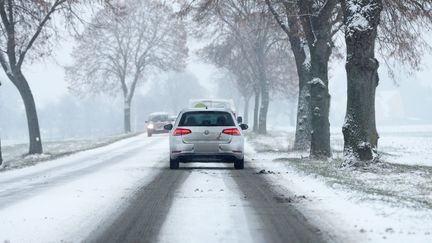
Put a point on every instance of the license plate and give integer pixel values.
(206, 148)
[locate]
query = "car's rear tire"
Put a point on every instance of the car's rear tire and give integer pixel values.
(174, 164)
(239, 164)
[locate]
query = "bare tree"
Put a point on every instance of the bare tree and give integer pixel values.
(401, 34)
(316, 18)
(286, 15)
(361, 19)
(26, 30)
(122, 44)
(401, 39)
(250, 27)
(309, 25)
(228, 56)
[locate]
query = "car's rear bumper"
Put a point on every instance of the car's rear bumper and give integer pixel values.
(216, 152)
(214, 157)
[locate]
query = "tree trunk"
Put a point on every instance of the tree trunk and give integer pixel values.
(303, 126)
(127, 116)
(256, 111)
(35, 141)
(359, 130)
(265, 101)
(265, 92)
(320, 105)
(317, 26)
(246, 110)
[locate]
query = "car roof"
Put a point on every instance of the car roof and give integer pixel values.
(206, 109)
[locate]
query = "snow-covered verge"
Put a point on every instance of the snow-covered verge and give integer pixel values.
(389, 202)
(66, 199)
(14, 155)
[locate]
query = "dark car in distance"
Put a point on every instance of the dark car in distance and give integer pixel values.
(156, 122)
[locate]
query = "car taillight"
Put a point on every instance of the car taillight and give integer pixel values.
(181, 131)
(231, 131)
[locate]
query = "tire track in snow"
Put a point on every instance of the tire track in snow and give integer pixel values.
(280, 221)
(142, 220)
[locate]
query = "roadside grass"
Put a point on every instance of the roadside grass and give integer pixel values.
(395, 184)
(15, 156)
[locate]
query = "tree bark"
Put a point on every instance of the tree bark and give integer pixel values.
(293, 30)
(303, 125)
(256, 111)
(35, 141)
(359, 130)
(317, 27)
(320, 105)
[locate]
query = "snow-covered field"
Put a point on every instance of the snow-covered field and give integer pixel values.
(14, 152)
(389, 202)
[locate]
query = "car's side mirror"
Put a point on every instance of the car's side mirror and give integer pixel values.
(168, 127)
(240, 120)
(244, 126)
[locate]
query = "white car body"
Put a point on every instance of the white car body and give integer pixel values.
(207, 135)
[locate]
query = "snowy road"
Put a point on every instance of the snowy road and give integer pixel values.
(124, 192)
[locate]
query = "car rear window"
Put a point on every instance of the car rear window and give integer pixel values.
(206, 118)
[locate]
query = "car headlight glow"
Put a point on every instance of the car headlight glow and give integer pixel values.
(150, 126)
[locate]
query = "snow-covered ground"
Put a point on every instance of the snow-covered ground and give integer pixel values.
(69, 198)
(390, 202)
(14, 152)
(66, 198)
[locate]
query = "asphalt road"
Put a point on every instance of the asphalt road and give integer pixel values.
(274, 218)
(125, 192)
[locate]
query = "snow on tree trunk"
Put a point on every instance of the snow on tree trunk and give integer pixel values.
(303, 126)
(256, 111)
(361, 18)
(317, 25)
(320, 100)
(302, 59)
(35, 141)
(320, 104)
